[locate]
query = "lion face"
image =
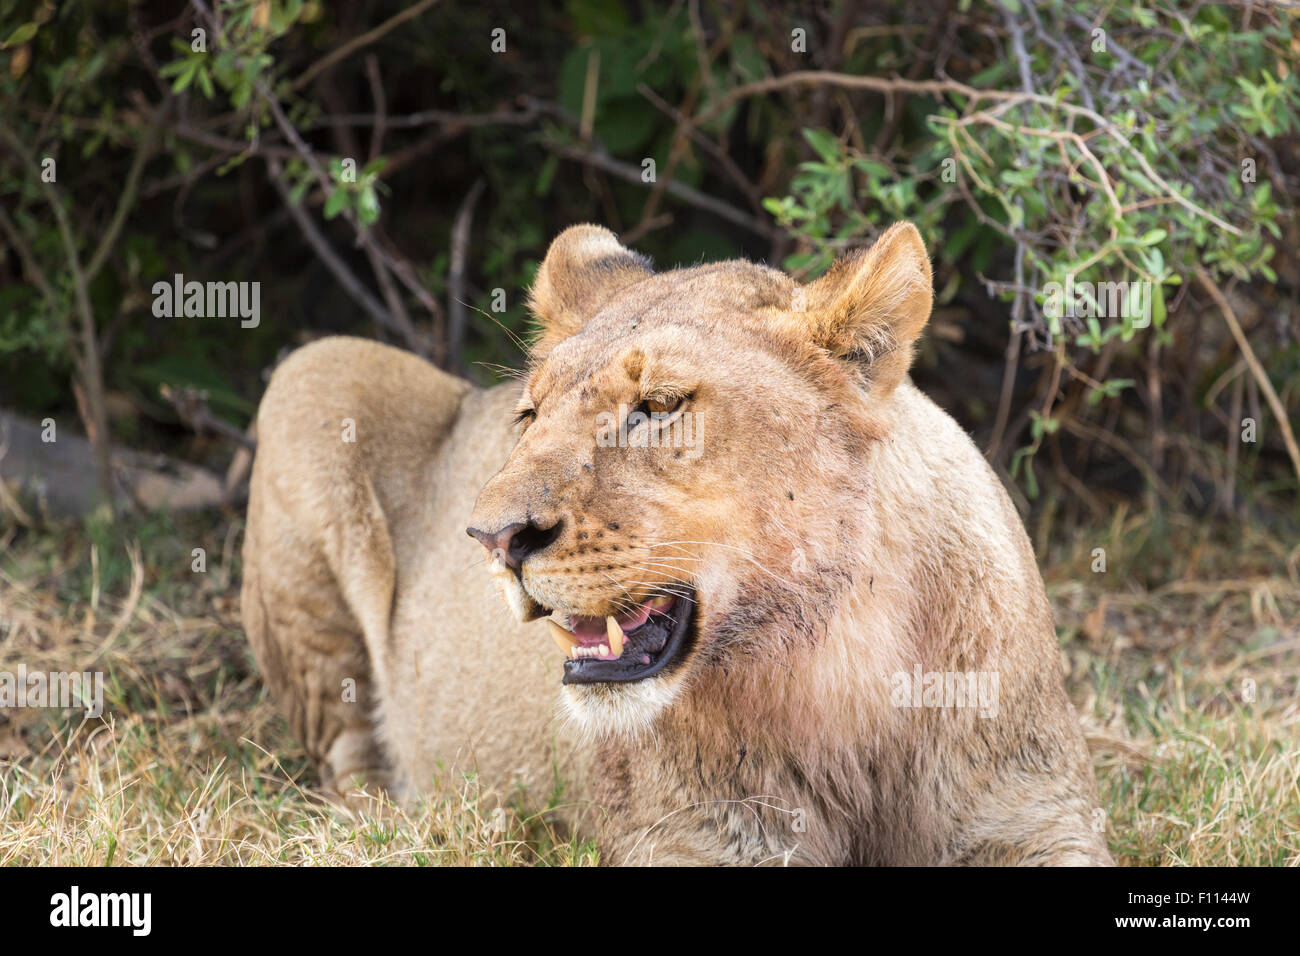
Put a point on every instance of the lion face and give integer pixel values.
(690, 475)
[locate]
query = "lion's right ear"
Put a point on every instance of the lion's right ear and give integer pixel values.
(870, 308)
(584, 267)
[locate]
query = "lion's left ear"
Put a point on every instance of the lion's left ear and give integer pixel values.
(584, 267)
(870, 307)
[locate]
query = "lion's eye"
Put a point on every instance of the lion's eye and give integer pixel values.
(655, 406)
(525, 415)
(657, 412)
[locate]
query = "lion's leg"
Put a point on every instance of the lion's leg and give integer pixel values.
(309, 644)
(319, 675)
(1081, 851)
(1057, 829)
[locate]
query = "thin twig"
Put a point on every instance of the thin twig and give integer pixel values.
(125, 202)
(343, 135)
(350, 283)
(752, 192)
(191, 405)
(356, 43)
(94, 413)
(30, 265)
(694, 197)
(455, 121)
(377, 95)
(1256, 369)
(460, 233)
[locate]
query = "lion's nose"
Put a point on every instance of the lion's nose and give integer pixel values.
(515, 542)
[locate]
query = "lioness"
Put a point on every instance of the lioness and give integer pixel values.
(776, 572)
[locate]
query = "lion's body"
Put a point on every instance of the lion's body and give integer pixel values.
(789, 748)
(389, 585)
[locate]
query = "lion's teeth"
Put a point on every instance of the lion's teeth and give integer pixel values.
(661, 603)
(562, 638)
(615, 636)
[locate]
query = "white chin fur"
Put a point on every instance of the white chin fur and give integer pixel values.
(624, 709)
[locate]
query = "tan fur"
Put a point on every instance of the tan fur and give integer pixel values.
(837, 528)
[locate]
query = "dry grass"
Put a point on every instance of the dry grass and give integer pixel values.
(1184, 661)
(191, 764)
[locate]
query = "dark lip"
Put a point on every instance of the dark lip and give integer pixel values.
(622, 671)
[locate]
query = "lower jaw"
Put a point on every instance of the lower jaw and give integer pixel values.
(629, 667)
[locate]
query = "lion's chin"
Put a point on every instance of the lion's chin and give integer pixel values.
(619, 710)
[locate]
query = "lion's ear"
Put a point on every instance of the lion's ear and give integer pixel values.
(584, 267)
(870, 307)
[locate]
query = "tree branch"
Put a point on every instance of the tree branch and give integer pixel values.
(95, 414)
(356, 43)
(694, 197)
(456, 273)
(1256, 369)
(325, 252)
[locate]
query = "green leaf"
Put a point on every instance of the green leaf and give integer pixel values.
(368, 206)
(205, 83)
(299, 190)
(824, 143)
(336, 203)
(21, 35)
(186, 76)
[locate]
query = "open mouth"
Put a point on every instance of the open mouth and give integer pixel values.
(628, 647)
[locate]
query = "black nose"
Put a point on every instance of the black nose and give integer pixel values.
(515, 542)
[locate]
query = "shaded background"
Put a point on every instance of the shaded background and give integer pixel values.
(473, 148)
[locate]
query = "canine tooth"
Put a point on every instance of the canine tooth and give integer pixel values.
(563, 638)
(615, 635)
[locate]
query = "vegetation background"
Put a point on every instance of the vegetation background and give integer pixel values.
(395, 169)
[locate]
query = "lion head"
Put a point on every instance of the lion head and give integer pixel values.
(691, 480)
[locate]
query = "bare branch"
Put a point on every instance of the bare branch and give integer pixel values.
(351, 284)
(356, 43)
(94, 412)
(694, 197)
(460, 233)
(191, 405)
(1256, 369)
